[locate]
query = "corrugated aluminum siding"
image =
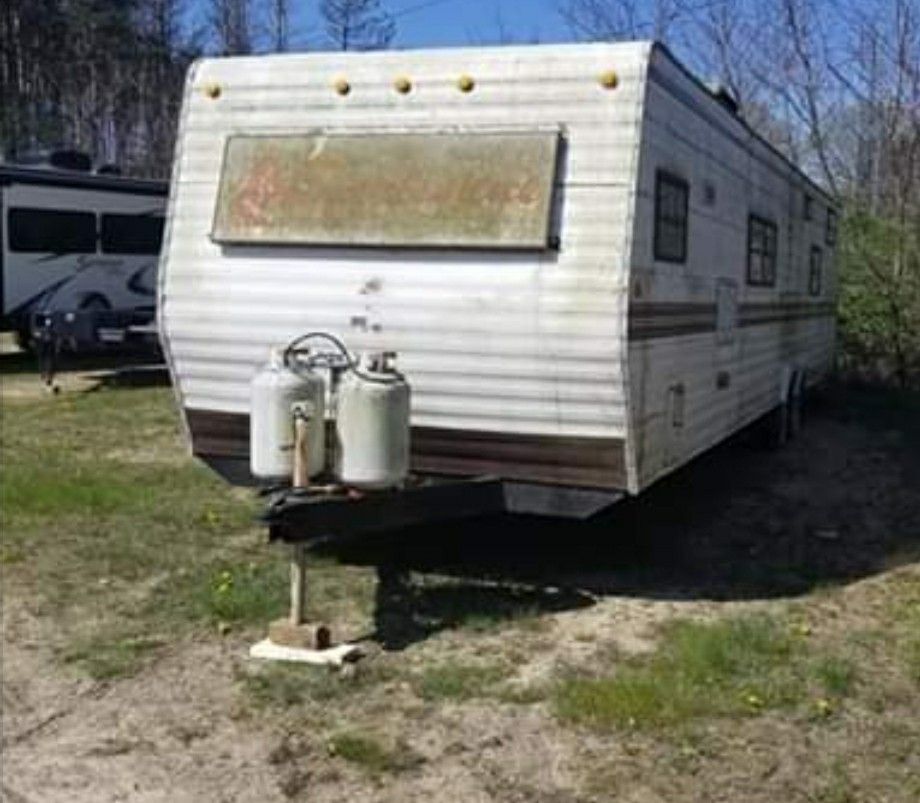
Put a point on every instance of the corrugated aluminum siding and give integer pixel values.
(530, 343)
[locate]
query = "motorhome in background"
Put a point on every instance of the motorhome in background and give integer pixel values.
(592, 269)
(72, 240)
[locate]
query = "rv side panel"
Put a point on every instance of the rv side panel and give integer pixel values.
(724, 306)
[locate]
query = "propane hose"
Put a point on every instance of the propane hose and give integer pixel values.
(347, 362)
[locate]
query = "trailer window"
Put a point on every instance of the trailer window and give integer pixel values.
(131, 234)
(830, 237)
(815, 260)
(761, 267)
(671, 211)
(51, 231)
(808, 207)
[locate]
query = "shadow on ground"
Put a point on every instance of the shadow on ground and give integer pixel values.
(123, 368)
(840, 503)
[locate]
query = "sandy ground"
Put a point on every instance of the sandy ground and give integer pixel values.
(737, 530)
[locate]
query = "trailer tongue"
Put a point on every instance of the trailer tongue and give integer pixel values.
(345, 444)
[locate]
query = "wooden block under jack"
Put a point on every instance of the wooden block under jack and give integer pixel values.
(305, 636)
(303, 643)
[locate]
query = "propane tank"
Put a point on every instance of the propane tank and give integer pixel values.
(274, 390)
(372, 425)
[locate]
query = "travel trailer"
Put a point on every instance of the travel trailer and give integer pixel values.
(589, 266)
(75, 241)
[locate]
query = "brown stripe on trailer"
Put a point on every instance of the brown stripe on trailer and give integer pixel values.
(652, 320)
(567, 460)
(756, 314)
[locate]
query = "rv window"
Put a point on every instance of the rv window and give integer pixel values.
(831, 233)
(51, 231)
(131, 234)
(814, 271)
(808, 207)
(671, 210)
(761, 268)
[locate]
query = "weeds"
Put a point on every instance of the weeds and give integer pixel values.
(107, 659)
(836, 675)
(729, 668)
(458, 682)
(372, 755)
(284, 685)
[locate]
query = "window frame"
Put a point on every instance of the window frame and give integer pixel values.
(770, 226)
(120, 249)
(815, 276)
(15, 235)
(673, 181)
(830, 227)
(808, 206)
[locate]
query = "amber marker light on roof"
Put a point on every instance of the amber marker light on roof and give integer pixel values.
(342, 86)
(403, 85)
(465, 83)
(212, 91)
(609, 79)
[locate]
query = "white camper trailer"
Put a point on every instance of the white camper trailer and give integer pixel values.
(591, 268)
(76, 241)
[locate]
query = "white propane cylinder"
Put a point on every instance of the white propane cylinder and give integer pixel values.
(372, 425)
(275, 388)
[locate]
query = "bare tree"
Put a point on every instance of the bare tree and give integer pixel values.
(501, 33)
(622, 19)
(357, 24)
(836, 85)
(279, 24)
(232, 25)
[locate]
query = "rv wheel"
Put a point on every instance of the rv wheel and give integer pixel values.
(776, 427)
(795, 404)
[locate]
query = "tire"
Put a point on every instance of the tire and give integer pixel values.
(795, 403)
(776, 427)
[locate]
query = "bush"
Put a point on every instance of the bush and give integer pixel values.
(879, 298)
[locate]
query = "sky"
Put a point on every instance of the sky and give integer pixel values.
(440, 23)
(461, 22)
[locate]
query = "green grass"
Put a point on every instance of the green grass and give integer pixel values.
(835, 675)
(371, 754)
(107, 524)
(278, 686)
(735, 667)
(107, 658)
(459, 682)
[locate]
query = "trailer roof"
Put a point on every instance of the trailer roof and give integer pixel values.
(739, 117)
(15, 174)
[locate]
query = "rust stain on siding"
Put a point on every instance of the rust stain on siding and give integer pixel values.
(428, 190)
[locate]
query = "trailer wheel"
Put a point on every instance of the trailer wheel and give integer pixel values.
(776, 427)
(795, 403)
